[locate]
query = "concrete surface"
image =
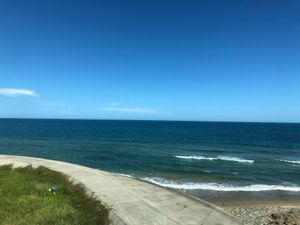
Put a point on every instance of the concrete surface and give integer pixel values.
(135, 202)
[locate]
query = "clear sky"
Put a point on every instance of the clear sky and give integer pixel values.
(217, 60)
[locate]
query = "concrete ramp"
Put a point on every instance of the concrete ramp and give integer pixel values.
(135, 202)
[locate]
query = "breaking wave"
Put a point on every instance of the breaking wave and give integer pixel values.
(288, 161)
(224, 158)
(219, 187)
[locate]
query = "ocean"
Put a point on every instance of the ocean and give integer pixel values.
(212, 156)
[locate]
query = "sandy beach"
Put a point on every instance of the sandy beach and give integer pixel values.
(256, 208)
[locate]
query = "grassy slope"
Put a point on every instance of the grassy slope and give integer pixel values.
(25, 199)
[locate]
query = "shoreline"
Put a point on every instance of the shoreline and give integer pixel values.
(243, 198)
(135, 202)
(272, 207)
(257, 208)
(227, 199)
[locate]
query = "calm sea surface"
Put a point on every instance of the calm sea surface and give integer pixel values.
(190, 155)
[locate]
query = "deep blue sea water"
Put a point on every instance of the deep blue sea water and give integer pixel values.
(192, 155)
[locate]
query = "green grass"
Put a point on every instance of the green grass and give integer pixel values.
(25, 199)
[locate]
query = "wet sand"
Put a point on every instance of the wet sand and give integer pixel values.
(245, 198)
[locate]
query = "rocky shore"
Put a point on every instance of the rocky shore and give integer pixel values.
(267, 215)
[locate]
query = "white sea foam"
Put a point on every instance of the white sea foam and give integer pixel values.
(219, 187)
(288, 161)
(125, 175)
(225, 158)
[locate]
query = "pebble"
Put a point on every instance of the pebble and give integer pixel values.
(271, 215)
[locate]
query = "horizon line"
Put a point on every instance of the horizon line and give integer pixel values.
(154, 120)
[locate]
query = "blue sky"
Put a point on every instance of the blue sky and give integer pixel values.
(176, 60)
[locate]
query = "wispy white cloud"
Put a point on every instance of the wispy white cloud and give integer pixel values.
(14, 92)
(131, 110)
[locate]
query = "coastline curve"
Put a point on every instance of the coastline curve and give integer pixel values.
(134, 202)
